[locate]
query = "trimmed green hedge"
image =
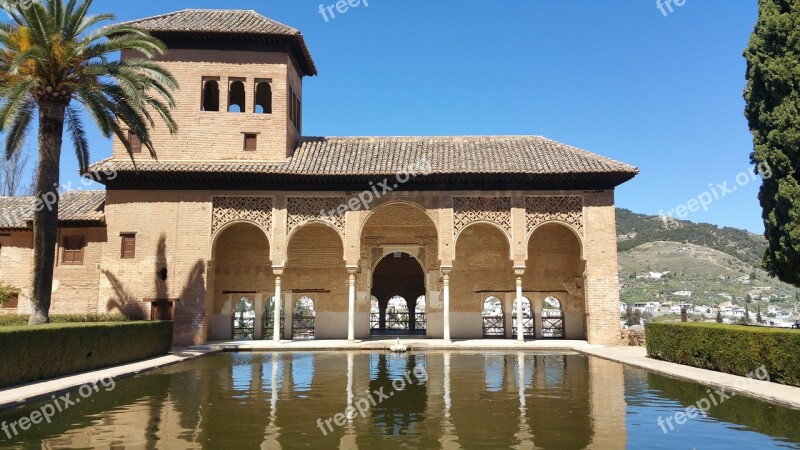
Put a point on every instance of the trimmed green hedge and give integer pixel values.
(11, 320)
(734, 349)
(33, 353)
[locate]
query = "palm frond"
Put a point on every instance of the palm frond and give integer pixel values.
(78, 135)
(19, 127)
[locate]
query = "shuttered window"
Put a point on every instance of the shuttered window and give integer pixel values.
(72, 253)
(128, 246)
(250, 142)
(136, 144)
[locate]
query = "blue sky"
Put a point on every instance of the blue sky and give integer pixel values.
(614, 77)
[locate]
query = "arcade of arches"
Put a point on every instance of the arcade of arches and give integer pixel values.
(438, 266)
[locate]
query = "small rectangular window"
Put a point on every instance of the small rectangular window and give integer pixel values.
(128, 245)
(72, 253)
(136, 144)
(250, 142)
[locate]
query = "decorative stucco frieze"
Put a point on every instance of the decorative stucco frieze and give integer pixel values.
(565, 209)
(255, 210)
(468, 210)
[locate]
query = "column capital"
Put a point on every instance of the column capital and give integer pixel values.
(446, 270)
(352, 270)
(519, 271)
(277, 271)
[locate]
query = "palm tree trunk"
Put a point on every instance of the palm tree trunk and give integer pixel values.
(45, 216)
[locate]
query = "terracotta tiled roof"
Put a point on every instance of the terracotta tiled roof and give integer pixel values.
(226, 22)
(215, 21)
(74, 207)
(447, 155)
(467, 156)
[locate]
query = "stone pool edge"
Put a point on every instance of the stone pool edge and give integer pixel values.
(778, 394)
(21, 395)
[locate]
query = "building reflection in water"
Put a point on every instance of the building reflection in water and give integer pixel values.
(272, 401)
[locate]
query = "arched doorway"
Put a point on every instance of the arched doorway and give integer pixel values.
(554, 271)
(397, 277)
(244, 320)
(528, 323)
(304, 319)
(399, 244)
(493, 319)
(552, 319)
(240, 267)
(315, 269)
(482, 269)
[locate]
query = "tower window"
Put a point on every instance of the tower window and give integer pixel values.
(250, 142)
(210, 95)
(236, 96)
(263, 103)
(136, 144)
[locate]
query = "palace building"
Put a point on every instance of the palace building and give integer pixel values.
(243, 219)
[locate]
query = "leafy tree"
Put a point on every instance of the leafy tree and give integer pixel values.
(719, 317)
(748, 299)
(773, 113)
(54, 62)
(759, 319)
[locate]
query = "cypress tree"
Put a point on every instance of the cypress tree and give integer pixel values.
(773, 113)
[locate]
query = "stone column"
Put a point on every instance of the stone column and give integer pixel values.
(351, 304)
(276, 325)
(518, 272)
(446, 301)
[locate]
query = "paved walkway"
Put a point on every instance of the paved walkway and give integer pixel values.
(780, 394)
(19, 395)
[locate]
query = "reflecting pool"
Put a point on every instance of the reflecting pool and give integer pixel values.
(369, 400)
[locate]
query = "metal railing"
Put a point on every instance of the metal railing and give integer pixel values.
(303, 327)
(494, 327)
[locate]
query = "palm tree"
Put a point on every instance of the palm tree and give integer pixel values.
(54, 62)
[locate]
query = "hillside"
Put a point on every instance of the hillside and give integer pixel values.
(704, 259)
(634, 230)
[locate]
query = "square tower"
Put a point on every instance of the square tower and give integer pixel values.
(240, 79)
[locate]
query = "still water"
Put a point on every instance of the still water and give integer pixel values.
(362, 400)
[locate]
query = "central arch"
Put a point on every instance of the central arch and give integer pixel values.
(398, 285)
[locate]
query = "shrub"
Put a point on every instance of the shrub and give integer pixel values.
(11, 320)
(7, 293)
(731, 349)
(40, 352)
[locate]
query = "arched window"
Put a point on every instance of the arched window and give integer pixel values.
(493, 320)
(210, 95)
(244, 319)
(236, 96)
(303, 319)
(397, 314)
(528, 329)
(552, 319)
(263, 103)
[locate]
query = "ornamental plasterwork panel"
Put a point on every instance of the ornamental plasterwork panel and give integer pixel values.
(302, 210)
(565, 209)
(468, 210)
(256, 210)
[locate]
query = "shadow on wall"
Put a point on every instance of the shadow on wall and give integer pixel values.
(124, 302)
